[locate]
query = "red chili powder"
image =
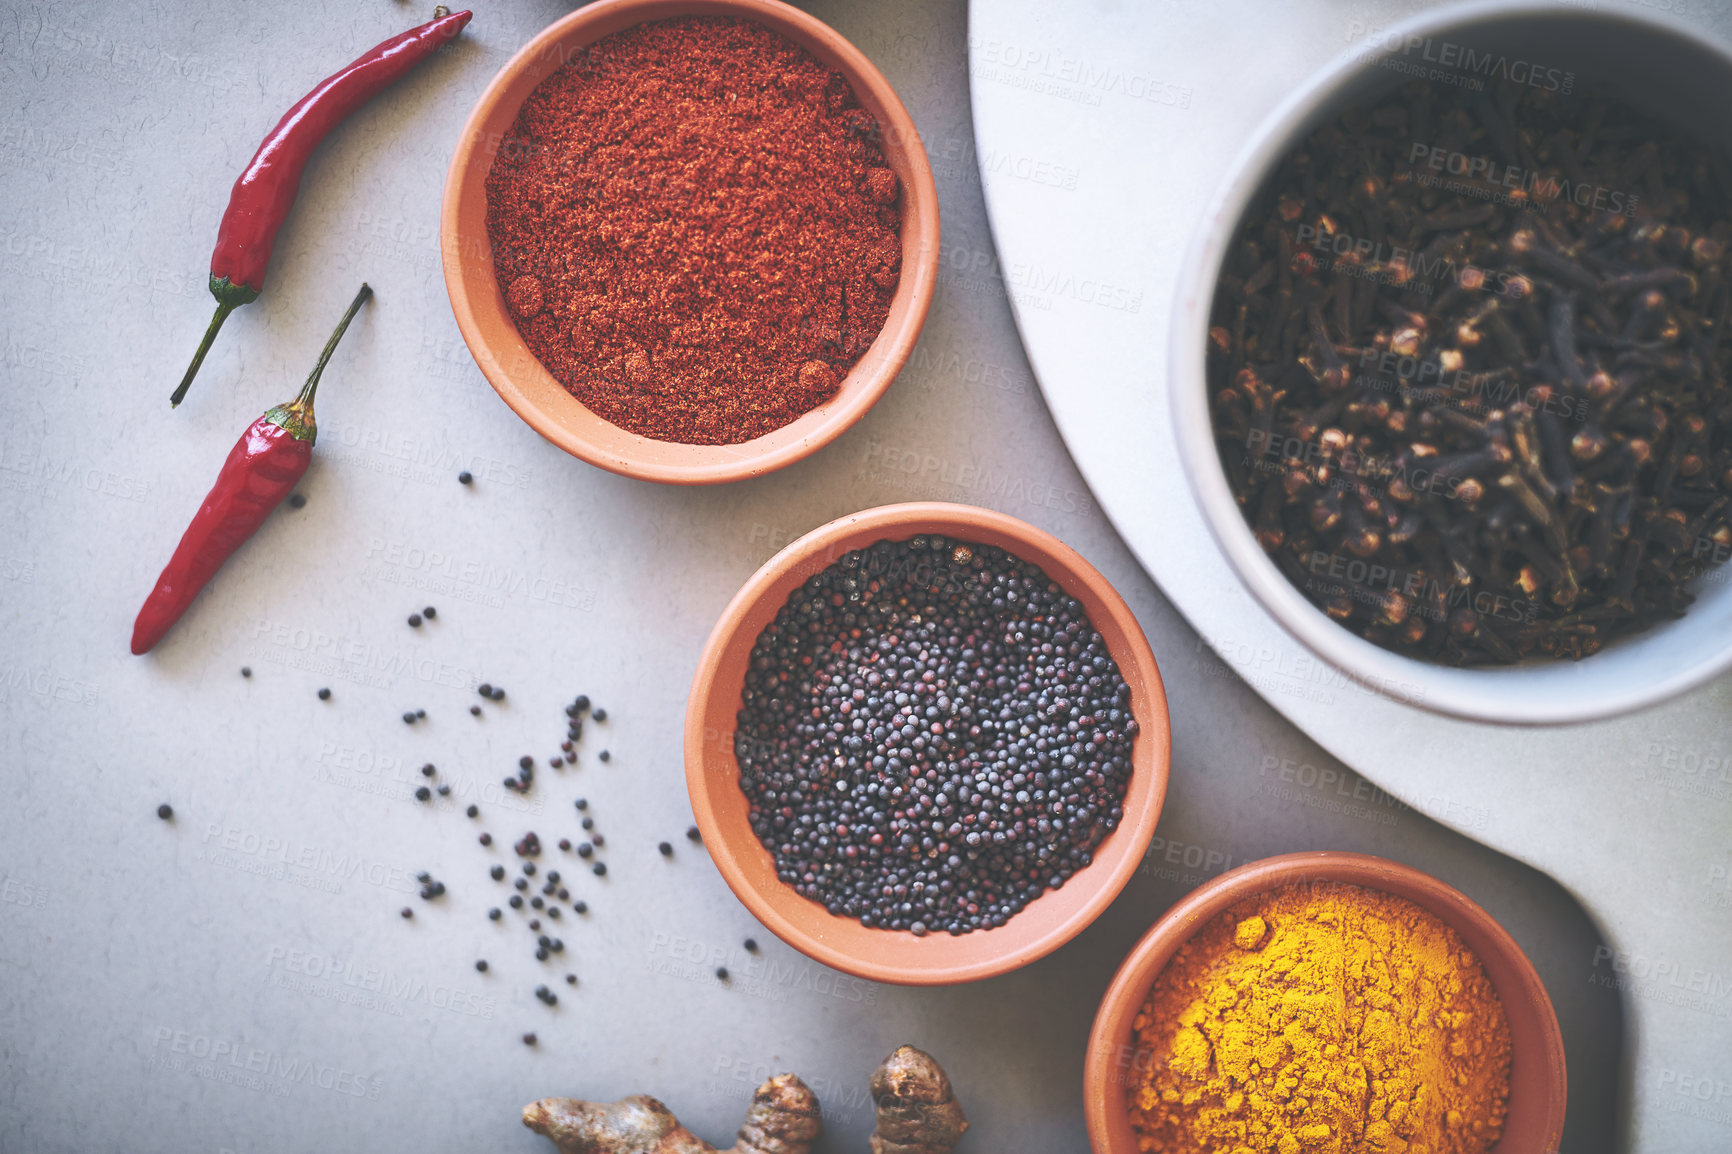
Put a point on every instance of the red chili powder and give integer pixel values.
(695, 229)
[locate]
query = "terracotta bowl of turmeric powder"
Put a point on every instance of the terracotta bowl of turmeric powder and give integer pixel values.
(715, 708)
(746, 417)
(1326, 1001)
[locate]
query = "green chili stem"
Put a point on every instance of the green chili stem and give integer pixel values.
(296, 417)
(222, 314)
(305, 400)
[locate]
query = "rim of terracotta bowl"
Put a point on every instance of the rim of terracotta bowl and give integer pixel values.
(1538, 1087)
(526, 385)
(898, 956)
(1631, 673)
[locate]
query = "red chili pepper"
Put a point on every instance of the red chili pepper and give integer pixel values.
(265, 192)
(265, 464)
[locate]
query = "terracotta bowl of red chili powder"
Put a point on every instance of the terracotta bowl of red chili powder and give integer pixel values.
(723, 811)
(696, 314)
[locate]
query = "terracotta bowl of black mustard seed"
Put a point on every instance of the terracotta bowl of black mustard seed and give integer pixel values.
(927, 743)
(690, 241)
(1450, 369)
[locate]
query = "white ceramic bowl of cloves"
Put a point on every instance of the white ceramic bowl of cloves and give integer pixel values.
(1448, 363)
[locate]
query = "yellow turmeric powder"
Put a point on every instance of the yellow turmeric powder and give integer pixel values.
(1321, 1018)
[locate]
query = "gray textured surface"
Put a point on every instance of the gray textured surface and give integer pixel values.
(1143, 106)
(239, 980)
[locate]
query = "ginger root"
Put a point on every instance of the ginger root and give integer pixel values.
(917, 1114)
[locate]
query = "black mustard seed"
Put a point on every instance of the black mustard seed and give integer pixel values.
(932, 735)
